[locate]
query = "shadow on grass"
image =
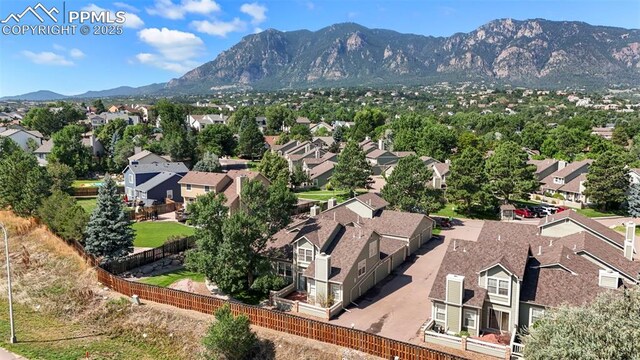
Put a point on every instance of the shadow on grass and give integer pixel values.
(266, 350)
(61, 339)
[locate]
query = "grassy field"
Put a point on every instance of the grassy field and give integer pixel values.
(595, 213)
(622, 230)
(155, 233)
(448, 211)
(167, 279)
(88, 204)
(87, 183)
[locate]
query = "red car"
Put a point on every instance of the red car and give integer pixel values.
(560, 209)
(524, 213)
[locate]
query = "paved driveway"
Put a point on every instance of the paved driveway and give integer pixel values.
(399, 306)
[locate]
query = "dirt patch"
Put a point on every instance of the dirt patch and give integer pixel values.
(191, 286)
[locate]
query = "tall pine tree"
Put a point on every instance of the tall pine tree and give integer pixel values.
(109, 232)
(508, 172)
(608, 181)
(467, 184)
(633, 200)
(352, 171)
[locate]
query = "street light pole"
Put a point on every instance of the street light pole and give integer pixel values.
(6, 251)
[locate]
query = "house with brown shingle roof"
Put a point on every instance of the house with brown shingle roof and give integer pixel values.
(546, 167)
(440, 174)
(199, 183)
(568, 181)
(505, 280)
(341, 253)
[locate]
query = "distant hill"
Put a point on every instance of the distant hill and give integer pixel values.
(40, 95)
(534, 52)
(44, 95)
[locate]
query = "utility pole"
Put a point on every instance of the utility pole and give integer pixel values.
(6, 252)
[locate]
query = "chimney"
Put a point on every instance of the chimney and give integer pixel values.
(317, 154)
(561, 164)
(455, 290)
(540, 250)
(608, 279)
(331, 203)
(315, 210)
(137, 149)
(323, 267)
(381, 144)
(630, 240)
(240, 180)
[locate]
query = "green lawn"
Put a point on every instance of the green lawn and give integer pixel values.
(155, 233)
(447, 211)
(87, 183)
(622, 230)
(595, 213)
(167, 279)
(88, 204)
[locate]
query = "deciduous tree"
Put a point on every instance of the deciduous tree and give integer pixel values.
(607, 181)
(251, 141)
(274, 167)
(408, 189)
(24, 183)
(352, 171)
(467, 182)
(62, 177)
(68, 149)
(218, 139)
(508, 172)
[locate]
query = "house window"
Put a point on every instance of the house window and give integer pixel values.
(312, 287)
(336, 292)
(373, 249)
(469, 319)
(284, 270)
(305, 255)
(536, 314)
(131, 178)
(143, 195)
(498, 320)
(498, 286)
(207, 189)
(188, 187)
(169, 194)
(440, 312)
(362, 267)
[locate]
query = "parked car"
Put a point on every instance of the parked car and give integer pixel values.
(549, 209)
(536, 211)
(182, 215)
(561, 209)
(524, 213)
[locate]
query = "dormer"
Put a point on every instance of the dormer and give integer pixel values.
(558, 180)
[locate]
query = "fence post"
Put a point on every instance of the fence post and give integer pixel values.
(463, 343)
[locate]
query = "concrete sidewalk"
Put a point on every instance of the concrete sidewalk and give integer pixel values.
(6, 355)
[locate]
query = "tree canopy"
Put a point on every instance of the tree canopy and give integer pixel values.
(607, 181)
(467, 182)
(25, 184)
(352, 171)
(408, 189)
(508, 172)
(68, 149)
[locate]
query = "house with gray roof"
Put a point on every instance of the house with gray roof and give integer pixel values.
(145, 157)
(199, 122)
(506, 280)
(568, 181)
(22, 137)
(335, 256)
(135, 175)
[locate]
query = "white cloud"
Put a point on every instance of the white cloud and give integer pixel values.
(256, 11)
(311, 5)
(176, 49)
(170, 10)
(76, 53)
(47, 58)
(257, 30)
(219, 28)
(172, 44)
(58, 47)
(132, 21)
(125, 6)
(352, 14)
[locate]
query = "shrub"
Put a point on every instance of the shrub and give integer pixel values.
(463, 333)
(265, 283)
(558, 196)
(229, 336)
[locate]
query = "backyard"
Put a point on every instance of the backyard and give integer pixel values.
(152, 234)
(167, 279)
(324, 195)
(88, 204)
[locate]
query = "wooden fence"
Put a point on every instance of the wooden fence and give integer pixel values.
(91, 191)
(147, 257)
(272, 319)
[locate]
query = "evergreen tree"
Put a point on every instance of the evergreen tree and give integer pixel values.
(109, 232)
(508, 172)
(298, 176)
(408, 189)
(230, 337)
(208, 163)
(251, 141)
(352, 171)
(466, 184)
(62, 177)
(633, 200)
(99, 105)
(607, 181)
(338, 134)
(24, 183)
(218, 139)
(64, 216)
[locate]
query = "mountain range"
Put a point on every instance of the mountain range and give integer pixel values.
(537, 53)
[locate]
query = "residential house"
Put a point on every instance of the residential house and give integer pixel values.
(321, 125)
(546, 167)
(514, 272)
(198, 183)
(88, 140)
(97, 121)
(440, 173)
(23, 137)
(261, 121)
(199, 122)
(145, 157)
(604, 132)
(568, 181)
(160, 187)
(320, 175)
(337, 255)
(43, 151)
(110, 116)
(137, 174)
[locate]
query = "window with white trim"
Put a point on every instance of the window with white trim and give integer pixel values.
(373, 249)
(469, 319)
(188, 187)
(362, 267)
(498, 320)
(536, 314)
(305, 255)
(131, 178)
(207, 189)
(440, 312)
(498, 286)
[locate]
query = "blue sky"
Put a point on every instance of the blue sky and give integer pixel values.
(162, 39)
